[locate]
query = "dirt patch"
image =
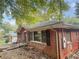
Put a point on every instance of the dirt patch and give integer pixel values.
(21, 53)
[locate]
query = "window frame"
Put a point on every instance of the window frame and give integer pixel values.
(46, 39)
(68, 36)
(37, 34)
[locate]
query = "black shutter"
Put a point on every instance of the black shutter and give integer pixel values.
(35, 36)
(43, 36)
(48, 37)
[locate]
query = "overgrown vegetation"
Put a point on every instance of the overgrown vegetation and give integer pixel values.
(32, 11)
(77, 10)
(2, 42)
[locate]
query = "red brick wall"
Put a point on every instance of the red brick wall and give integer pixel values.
(21, 35)
(53, 42)
(49, 50)
(74, 40)
(68, 50)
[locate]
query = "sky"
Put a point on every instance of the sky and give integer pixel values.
(9, 19)
(69, 13)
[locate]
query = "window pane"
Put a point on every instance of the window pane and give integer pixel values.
(68, 36)
(43, 36)
(37, 36)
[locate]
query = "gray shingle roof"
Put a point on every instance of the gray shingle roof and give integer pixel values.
(54, 24)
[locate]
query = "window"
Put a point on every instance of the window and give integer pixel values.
(68, 36)
(37, 36)
(66, 39)
(46, 37)
(77, 35)
(42, 36)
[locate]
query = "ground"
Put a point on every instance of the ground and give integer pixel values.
(22, 53)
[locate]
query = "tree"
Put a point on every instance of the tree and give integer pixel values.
(5, 28)
(77, 10)
(31, 11)
(8, 27)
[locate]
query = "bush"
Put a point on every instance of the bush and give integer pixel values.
(6, 41)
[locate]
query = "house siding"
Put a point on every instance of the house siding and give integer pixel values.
(54, 45)
(72, 47)
(49, 50)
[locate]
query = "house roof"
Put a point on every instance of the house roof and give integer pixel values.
(53, 24)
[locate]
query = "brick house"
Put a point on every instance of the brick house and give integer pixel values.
(58, 40)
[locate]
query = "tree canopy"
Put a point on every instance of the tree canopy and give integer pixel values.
(31, 11)
(77, 10)
(6, 28)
